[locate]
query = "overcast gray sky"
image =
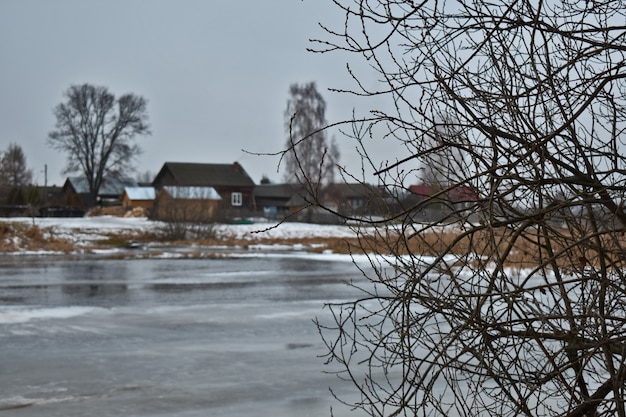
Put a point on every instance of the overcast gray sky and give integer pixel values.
(215, 73)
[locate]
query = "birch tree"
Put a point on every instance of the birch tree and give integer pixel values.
(310, 158)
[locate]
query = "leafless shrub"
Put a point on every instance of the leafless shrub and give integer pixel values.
(521, 310)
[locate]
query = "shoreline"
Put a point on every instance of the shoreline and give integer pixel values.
(115, 237)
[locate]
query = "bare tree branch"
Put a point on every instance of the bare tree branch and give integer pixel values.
(511, 300)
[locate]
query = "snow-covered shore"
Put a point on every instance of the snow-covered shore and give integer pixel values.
(84, 232)
(265, 230)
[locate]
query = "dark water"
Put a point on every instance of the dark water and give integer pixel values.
(167, 337)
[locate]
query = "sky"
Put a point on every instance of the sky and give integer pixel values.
(216, 75)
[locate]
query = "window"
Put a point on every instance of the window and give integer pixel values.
(236, 199)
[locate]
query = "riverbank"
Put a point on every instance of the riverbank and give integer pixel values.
(140, 237)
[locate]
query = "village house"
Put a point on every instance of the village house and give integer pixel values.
(138, 197)
(20, 201)
(75, 192)
(231, 182)
(432, 203)
(355, 199)
(186, 204)
(276, 201)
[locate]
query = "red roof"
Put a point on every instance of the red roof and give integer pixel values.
(462, 193)
(423, 190)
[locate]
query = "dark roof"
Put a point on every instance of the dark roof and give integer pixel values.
(285, 191)
(459, 193)
(277, 195)
(354, 190)
(213, 175)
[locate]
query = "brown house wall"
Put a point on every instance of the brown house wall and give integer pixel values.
(127, 203)
(70, 198)
(169, 209)
(225, 207)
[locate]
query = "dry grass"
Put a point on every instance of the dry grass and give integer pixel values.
(523, 252)
(18, 237)
(23, 237)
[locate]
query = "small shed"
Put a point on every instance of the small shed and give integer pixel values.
(186, 204)
(134, 197)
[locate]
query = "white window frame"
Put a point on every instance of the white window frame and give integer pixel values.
(236, 199)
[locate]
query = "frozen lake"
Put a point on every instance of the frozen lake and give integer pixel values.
(168, 337)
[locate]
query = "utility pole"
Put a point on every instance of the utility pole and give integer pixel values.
(45, 184)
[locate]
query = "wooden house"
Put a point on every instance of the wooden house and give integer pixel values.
(75, 192)
(275, 201)
(230, 181)
(186, 204)
(27, 200)
(138, 197)
(430, 203)
(355, 199)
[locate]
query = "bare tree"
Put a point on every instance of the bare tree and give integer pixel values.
(145, 177)
(13, 169)
(97, 132)
(514, 303)
(310, 159)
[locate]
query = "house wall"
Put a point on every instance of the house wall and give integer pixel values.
(127, 203)
(71, 199)
(225, 207)
(182, 210)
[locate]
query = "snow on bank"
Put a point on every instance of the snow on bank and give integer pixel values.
(103, 224)
(284, 231)
(88, 229)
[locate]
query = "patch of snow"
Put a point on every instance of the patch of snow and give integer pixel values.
(286, 230)
(88, 229)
